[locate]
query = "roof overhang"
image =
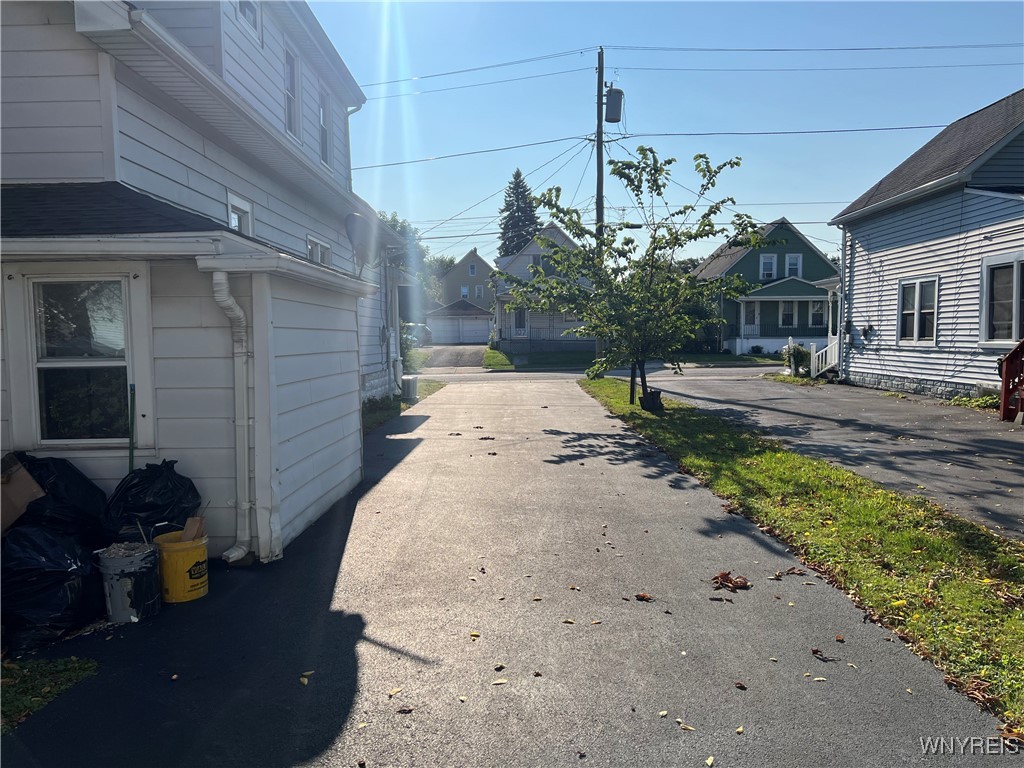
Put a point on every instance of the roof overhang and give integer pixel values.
(139, 44)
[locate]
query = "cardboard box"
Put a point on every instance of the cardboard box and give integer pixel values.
(17, 490)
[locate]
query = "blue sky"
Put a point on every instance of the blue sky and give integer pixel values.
(807, 178)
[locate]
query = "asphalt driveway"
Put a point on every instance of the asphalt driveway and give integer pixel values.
(476, 605)
(455, 358)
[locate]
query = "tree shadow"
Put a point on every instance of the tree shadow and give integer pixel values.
(217, 682)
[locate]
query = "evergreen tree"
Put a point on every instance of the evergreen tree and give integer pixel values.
(519, 221)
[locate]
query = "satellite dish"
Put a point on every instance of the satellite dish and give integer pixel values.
(360, 235)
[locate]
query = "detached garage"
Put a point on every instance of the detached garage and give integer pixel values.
(460, 323)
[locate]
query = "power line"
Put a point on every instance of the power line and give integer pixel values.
(969, 46)
(480, 85)
(808, 69)
(545, 57)
(623, 136)
(467, 154)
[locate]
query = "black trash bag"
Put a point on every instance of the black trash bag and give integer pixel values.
(152, 497)
(73, 504)
(50, 586)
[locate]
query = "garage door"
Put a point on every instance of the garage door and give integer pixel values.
(460, 330)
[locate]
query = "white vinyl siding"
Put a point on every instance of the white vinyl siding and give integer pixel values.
(316, 399)
(945, 237)
(1004, 169)
(55, 120)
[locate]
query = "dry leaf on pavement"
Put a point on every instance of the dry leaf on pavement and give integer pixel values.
(725, 580)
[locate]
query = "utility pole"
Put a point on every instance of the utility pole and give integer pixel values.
(599, 142)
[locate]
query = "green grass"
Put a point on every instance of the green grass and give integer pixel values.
(414, 360)
(28, 686)
(950, 588)
(800, 381)
(897, 395)
(712, 359)
(497, 361)
(379, 410)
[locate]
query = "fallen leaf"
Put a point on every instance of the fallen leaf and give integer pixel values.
(174, 677)
(710, 761)
(500, 681)
(462, 699)
(849, 664)
(898, 603)
(394, 692)
(362, 725)
(792, 604)
(820, 679)
(686, 727)
(568, 621)
(740, 685)
(574, 587)
(499, 668)
(537, 599)
(725, 580)
(668, 612)
(794, 571)
(486, 438)
(772, 659)
(304, 680)
(776, 577)
(537, 674)
(840, 639)
(807, 674)
(472, 578)
(910, 692)
(740, 729)
(307, 674)
(404, 711)
(474, 635)
(595, 622)
(818, 653)
(643, 597)
(663, 713)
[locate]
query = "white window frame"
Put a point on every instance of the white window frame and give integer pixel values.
(243, 208)
(765, 257)
(799, 258)
(464, 292)
(21, 355)
(320, 249)
(257, 30)
(472, 270)
(987, 263)
(811, 313)
(478, 291)
(916, 340)
(293, 99)
(796, 316)
(326, 128)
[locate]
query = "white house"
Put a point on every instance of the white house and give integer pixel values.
(178, 263)
(521, 331)
(933, 261)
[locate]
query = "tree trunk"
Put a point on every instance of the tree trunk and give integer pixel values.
(632, 384)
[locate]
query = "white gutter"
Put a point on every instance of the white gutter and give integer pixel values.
(240, 343)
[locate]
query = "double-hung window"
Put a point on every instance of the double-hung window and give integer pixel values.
(472, 270)
(787, 314)
(794, 264)
(464, 292)
(817, 314)
(79, 345)
(917, 309)
(291, 93)
(1002, 305)
(767, 266)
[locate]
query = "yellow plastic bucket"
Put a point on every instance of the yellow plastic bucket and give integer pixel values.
(182, 567)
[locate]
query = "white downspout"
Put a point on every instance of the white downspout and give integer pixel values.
(240, 343)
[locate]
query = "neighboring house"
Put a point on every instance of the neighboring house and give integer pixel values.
(794, 297)
(521, 331)
(177, 265)
(468, 300)
(469, 280)
(459, 323)
(933, 261)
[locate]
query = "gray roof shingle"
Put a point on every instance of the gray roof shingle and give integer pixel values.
(952, 151)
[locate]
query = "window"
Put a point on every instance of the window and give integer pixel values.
(318, 251)
(472, 270)
(249, 16)
(325, 129)
(1002, 299)
(464, 292)
(750, 313)
(520, 323)
(239, 214)
(794, 264)
(291, 93)
(75, 334)
(917, 310)
(478, 292)
(767, 266)
(817, 314)
(787, 314)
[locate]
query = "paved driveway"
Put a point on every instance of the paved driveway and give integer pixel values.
(968, 461)
(455, 358)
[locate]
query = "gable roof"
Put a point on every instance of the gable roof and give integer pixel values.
(470, 254)
(459, 308)
(726, 256)
(91, 208)
(947, 159)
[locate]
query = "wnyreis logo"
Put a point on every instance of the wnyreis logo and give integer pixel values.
(972, 745)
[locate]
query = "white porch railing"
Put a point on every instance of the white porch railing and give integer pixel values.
(826, 358)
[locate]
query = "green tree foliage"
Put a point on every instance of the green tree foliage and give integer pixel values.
(519, 221)
(415, 251)
(642, 302)
(435, 268)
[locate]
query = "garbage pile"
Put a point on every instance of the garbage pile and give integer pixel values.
(56, 521)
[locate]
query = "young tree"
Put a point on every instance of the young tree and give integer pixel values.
(435, 268)
(641, 302)
(519, 221)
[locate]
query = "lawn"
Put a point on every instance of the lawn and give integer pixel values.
(382, 409)
(951, 589)
(581, 360)
(30, 685)
(415, 359)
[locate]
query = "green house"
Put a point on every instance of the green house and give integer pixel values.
(795, 293)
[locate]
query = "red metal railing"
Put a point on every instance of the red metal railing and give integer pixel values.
(1011, 396)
